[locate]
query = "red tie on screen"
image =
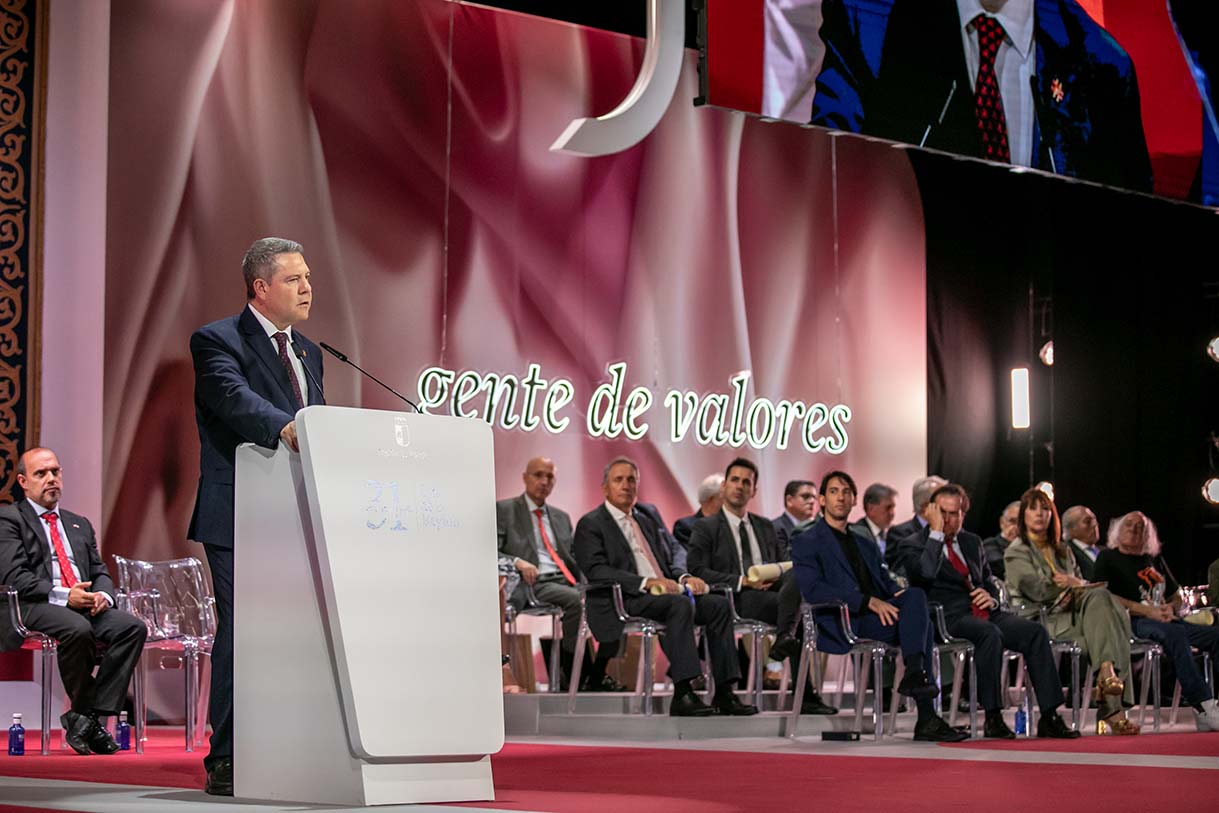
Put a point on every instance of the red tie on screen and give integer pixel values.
(960, 567)
(66, 577)
(554, 557)
(988, 104)
(282, 340)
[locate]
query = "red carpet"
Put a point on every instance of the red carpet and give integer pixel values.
(578, 779)
(1181, 745)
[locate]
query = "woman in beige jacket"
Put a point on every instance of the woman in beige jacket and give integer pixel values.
(1041, 572)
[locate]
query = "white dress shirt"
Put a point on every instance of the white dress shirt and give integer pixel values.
(734, 523)
(546, 565)
(1014, 64)
(297, 366)
(876, 533)
(59, 593)
(642, 566)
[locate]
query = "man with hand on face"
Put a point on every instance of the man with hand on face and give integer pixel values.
(253, 371)
(832, 564)
(50, 557)
(616, 543)
(537, 538)
(949, 563)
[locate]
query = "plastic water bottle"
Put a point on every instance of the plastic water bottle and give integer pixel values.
(122, 732)
(16, 737)
(1022, 719)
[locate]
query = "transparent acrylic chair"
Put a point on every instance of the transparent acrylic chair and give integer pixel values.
(175, 602)
(535, 607)
(38, 642)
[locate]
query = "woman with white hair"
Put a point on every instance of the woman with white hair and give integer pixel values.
(1140, 579)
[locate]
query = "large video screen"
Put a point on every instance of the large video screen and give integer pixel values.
(1118, 92)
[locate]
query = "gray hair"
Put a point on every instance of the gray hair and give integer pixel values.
(923, 488)
(709, 487)
(262, 258)
(1071, 518)
(1152, 547)
(877, 493)
(616, 461)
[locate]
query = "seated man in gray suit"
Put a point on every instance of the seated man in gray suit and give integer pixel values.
(536, 538)
(1082, 533)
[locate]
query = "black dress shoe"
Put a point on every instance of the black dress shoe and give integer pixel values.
(220, 779)
(916, 685)
(1052, 726)
(76, 730)
(689, 705)
(605, 684)
(934, 729)
(813, 704)
(728, 705)
(996, 729)
(99, 739)
(786, 646)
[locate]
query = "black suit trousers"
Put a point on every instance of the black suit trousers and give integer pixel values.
(680, 615)
(1007, 631)
(120, 634)
(220, 702)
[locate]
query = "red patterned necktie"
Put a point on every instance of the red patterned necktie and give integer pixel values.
(554, 557)
(66, 577)
(988, 103)
(959, 567)
(281, 339)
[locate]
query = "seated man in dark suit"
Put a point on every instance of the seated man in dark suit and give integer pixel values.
(879, 506)
(921, 494)
(996, 546)
(50, 557)
(709, 502)
(1082, 533)
(723, 548)
(537, 538)
(948, 562)
(617, 544)
(832, 564)
(799, 511)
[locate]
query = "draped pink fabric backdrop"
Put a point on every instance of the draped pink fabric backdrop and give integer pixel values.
(406, 145)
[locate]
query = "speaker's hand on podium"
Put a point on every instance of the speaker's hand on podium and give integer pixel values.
(288, 435)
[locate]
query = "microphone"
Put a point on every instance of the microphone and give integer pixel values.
(300, 354)
(1037, 111)
(338, 355)
(943, 112)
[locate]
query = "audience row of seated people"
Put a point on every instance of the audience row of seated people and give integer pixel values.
(886, 574)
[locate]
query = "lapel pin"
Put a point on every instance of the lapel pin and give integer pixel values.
(1056, 90)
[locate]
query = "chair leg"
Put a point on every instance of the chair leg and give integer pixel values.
(785, 682)
(647, 673)
(556, 643)
(1086, 698)
(576, 666)
(1075, 691)
(807, 653)
(1155, 694)
(48, 683)
(878, 692)
(974, 731)
(1030, 702)
(139, 691)
(756, 671)
(842, 679)
(1147, 676)
(861, 687)
(958, 677)
(935, 677)
(190, 664)
(1176, 704)
(895, 699)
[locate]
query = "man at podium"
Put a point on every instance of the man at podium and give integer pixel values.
(252, 373)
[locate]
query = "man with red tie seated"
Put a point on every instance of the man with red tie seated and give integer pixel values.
(833, 564)
(617, 544)
(50, 557)
(536, 537)
(950, 564)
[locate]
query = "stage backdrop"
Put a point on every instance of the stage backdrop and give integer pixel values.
(743, 287)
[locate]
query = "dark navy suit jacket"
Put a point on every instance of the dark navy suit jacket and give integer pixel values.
(242, 395)
(890, 66)
(824, 574)
(929, 568)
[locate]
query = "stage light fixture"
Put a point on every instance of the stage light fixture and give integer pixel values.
(1210, 490)
(1020, 398)
(1046, 488)
(1047, 353)
(1212, 349)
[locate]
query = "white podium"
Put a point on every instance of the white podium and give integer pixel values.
(366, 640)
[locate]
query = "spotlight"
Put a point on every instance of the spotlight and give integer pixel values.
(1020, 398)
(1047, 353)
(1210, 490)
(1212, 349)
(1046, 488)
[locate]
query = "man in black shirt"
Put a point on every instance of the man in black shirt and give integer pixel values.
(832, 565)
(1139, 577)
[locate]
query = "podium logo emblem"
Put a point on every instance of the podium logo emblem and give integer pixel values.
(402, 433)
